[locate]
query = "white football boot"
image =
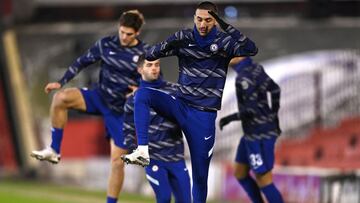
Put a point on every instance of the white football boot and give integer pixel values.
(47, 154)
(140, 156)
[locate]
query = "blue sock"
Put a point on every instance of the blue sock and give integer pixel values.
(57, 135)
(252, 189)
(272, 194)
(111, 200)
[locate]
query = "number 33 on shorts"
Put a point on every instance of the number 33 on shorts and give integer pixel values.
(255, 160)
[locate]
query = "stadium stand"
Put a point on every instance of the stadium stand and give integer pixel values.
(84, 138)
(7, 157)
(336, 147)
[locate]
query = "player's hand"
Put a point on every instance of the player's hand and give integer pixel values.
(223, 122)
(133, 89)
(52, 86)
(221, 23)
(278, 125)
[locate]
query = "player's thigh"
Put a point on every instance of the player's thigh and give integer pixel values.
(163, 103)
(180, 182)
(71, 98)
(268, 151)
(199, 130)
(158, 179)
(241, 166)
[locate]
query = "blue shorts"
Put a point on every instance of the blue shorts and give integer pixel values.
(113, 120)
(169, 177)
(258, 154)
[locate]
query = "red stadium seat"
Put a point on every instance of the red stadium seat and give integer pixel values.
(337, 147)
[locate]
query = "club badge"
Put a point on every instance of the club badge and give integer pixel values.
(244, 84)
(155, 168)
(135, 58)
(214, 47)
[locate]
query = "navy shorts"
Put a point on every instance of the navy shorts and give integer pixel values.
(258, 154)
(113, 120)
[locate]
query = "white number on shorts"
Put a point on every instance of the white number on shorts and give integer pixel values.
(255, 160)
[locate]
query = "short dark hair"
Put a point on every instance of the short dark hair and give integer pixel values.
(141, 61)
(133, 19)
(207, 5)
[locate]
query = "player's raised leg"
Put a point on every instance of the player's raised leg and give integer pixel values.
(70, 98)
(162, 103)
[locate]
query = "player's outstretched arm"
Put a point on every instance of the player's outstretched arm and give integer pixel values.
(52, 86)
(243, 45)
(92, 55)
(169, 47)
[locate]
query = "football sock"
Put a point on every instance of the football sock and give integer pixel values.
(56, 134)
(272, 194)
(251, 188)
(111, 200)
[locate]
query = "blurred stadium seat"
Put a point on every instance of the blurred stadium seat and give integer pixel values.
(84, 139)
(336, 147)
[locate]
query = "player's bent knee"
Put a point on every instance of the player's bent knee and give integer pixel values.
(68, 98)
(240, 171)
(240, 174)
(60, 98)
(117, 163)
(264, 178)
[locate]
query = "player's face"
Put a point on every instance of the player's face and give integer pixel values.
(204, 22)
(127, 36)
(150, 71)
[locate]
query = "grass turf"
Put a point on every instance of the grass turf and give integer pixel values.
(38, 192)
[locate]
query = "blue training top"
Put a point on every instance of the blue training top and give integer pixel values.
(258, 115)
(165, 137)
(118, 69)
(203, 63)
